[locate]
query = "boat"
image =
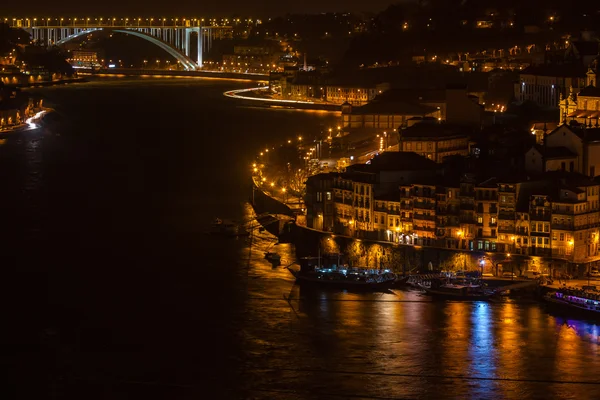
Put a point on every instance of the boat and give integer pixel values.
(272, 257)
(456, 289)
(401, 281)
(335, 275)
(227, 228)
(575, 302)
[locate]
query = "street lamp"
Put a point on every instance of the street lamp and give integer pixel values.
(512, 267)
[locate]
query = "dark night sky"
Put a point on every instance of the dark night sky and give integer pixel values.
(186, 8)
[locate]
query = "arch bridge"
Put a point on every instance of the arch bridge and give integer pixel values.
(175, 36)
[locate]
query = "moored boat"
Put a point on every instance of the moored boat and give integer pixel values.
(456, 290)
(337, 276)
(272, 257)
(575, 302)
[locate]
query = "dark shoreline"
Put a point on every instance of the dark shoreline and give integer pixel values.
(177, 74)
(52, 83)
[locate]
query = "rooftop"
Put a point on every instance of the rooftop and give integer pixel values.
(429, 131)
(551, 153)
(590, 91)
(393, 108)
(395, 161)
(558, 70)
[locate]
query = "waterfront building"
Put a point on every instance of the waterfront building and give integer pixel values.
(424, 216)
(550, 224)
(486, 214)
(380, 116)
(254, 59)
(15, 106)
(435, 141)
(304, 86)
(365, 191)
(320, 202)
(448, 213)
(386, 216)
(83, 59)
(354, 93)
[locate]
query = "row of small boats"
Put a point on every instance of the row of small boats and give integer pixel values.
(329, 272)
(571, 302)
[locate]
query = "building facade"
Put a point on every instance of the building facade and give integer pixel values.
(552, 225)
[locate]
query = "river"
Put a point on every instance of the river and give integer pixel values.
(114, 289)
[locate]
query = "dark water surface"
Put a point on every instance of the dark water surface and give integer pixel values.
(115, 291)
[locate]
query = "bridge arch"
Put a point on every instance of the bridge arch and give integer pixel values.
(185, 61)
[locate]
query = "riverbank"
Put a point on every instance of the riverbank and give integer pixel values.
(54, 83)
(258, 96)
(123, 72)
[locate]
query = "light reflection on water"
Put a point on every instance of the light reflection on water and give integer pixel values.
(402, 345)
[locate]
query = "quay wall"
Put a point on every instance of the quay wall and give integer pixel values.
(263, 203)
(397, 257)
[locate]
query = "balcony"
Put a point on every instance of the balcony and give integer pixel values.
(485, 235)
(428, 195)
(424, 217)
(393, 211)
(540, 251)
(540, 234)
(522, 231)
(506, 229)
(563, 227)
(466, 219)
(424, 228)
(493, 210)
(452, 211)
(510, 215)
(452, 222)
(540, 216)
(491, 197)
(404, 206)
(424, 205)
